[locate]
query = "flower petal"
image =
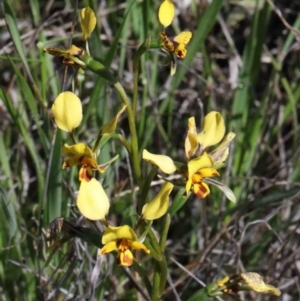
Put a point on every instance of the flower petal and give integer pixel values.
(166, 13)
(213, 130)
(196, 164)
(140, 247)
(253, 281)
(208, 172)
(188, 186)
(125, 258)
(87, 22)
(191, 143)
(220, 154)
(165, 163)
(76, 160)
(201, 190)
(73, 50)
(92, 200)
(225, 189)
(85, 173)
(159, 205)
(117, 233)
(67, 111)
(109, 247)
(78, 149)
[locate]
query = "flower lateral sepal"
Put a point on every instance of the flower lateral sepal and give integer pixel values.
(158, 207)
(67, 111)
(92, 200)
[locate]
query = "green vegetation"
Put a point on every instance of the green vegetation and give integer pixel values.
(242, 61)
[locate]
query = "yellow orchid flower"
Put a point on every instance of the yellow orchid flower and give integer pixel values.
(70, 56)
(67, 111)
(247, 281)
(201, 168)
(172, 45)
(122, 239)
(92, 200)
(198, 170)
(176, 44)
(81, 154)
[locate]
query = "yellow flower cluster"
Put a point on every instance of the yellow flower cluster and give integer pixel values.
(201, 165)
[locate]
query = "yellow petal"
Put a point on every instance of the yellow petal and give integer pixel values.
(220, 154)
(188, 186)
(116, 233)
(85, 174)
(87, 22)
(191, 143)
(159, 205)
(78, 149)
(67, 111)
(73, 161)
(110, 127)
(73, 50)
(213, 130)
(140, 247)
(201, 190)
(196, 164)
(165, 163)
(183, 38)
(92, 200)
(111, 246)
(253, 281)
(208, 172)
(166, 13)
(125, 258)
(180, 51)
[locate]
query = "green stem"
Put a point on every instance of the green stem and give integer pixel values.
(163, 274)
(156, 281)
(160, 271)
(164, 234)
(97, 143)
(142, 273)
(136, 62)
(135, 92)
(154, 242)
(125, 143)
(87, 48)
(134, 140)
(146, 187)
